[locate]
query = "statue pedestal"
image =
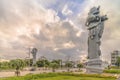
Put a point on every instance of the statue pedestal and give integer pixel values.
(94, 66)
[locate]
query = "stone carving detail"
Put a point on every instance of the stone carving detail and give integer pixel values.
(95, 25)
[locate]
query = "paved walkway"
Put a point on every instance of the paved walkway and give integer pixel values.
(22, 73)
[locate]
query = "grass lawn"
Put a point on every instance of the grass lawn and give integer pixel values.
(61, 76)
(113, 71)
(74, 78)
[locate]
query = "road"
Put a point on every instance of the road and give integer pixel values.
(22, 73)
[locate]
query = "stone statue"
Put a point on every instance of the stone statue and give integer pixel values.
(95, 26)
(34, 52)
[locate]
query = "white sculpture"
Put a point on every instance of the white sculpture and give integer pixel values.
(34, 52)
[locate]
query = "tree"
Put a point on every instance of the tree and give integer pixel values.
(118, 62)
(5, 65)
(54, 66)
(80, 65)
(69, 65)
(17, 64)
(0, 65)
(56, 61)
(28, 62)
(42, 63)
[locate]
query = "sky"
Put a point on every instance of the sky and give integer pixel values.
(55, 27)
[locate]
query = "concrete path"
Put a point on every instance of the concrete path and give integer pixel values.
(22, 73)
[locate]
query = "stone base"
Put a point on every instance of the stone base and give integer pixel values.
(94, 66)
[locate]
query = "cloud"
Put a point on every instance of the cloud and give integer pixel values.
(66, 11)
(28, 23)
(20, 21)
(60, 39)
(40, 23)
(110, 39)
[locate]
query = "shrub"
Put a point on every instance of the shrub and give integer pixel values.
(117, 71)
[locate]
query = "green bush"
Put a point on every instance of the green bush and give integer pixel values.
(117, 71)
(113, 67)
(86, 75)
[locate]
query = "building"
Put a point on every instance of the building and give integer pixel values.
(114, 56)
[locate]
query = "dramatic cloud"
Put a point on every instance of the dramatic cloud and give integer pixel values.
(111, 36)
(66, 11)
(55, 27)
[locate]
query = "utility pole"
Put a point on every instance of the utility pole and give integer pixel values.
(28, 57)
